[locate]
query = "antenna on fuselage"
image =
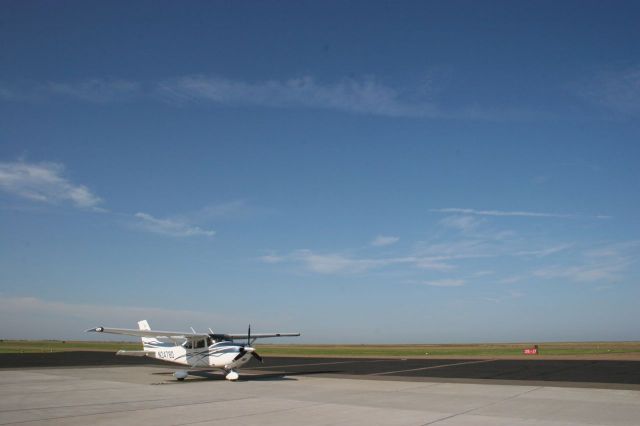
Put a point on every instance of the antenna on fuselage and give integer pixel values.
(194, 332)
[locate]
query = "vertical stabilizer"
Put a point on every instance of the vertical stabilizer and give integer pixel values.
(147, 342)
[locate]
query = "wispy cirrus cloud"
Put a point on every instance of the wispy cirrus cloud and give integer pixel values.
(476, 255)
(461, 222)
(510, 295)
(195, 223)
(584, 272)
(505, 213)
(621, 249)
(458, 248)
(607, 263)
(340, 263)
(384, 240)
(366, 96)
(228, 210)
(331, 263)
(433, 263)
(544, 251)
(442, 283)
(272, 258)
(511, 279)
(602, 263)
(45, 182)
(361, 96)
(472, 245)
(170, 227)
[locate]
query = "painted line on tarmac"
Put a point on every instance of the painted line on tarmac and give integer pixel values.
(319, 363)
(432, 367)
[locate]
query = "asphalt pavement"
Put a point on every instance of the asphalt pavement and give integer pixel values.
(571, 371)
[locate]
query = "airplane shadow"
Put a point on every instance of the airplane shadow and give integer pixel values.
(281, 376)
(203, 375)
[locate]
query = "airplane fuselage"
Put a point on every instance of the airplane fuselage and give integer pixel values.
(217, 355)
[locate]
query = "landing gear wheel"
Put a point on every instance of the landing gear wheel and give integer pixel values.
(180, 375)
(232, 376)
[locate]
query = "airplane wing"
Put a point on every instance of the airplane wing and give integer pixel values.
(149, 333)
(262, 335)
(182, 334)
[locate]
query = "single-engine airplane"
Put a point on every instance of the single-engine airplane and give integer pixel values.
(197, 350)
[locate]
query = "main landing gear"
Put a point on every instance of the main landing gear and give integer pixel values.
(180, 375)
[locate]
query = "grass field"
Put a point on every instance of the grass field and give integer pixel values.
(31, 346)
(556, 349)
(484, 350)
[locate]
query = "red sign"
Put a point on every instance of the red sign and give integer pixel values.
(530, 351)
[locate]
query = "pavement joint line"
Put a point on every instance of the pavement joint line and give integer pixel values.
(431, 367)
(127, 410)
(31, 392)
(238, 416)
(482, 406)
(96, 404)
(483, 381)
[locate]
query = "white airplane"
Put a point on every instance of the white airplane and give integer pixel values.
(196, 350)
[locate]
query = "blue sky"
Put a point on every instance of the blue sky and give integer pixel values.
(357, 171)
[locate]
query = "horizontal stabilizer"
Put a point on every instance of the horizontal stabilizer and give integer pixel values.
(132, 353)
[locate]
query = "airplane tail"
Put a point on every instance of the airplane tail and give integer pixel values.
(148, 343)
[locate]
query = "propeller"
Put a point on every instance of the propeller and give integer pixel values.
(247, 348)
(256, 356)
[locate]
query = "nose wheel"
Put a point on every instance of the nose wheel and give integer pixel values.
(232, 376)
